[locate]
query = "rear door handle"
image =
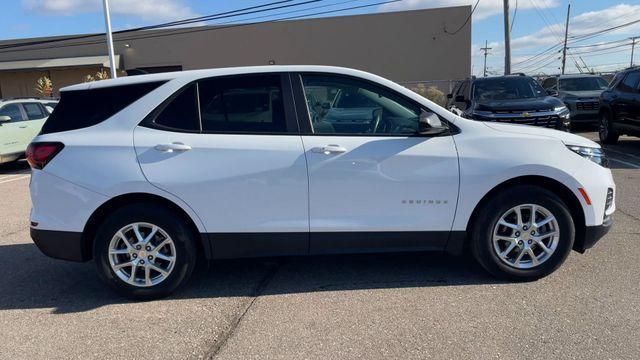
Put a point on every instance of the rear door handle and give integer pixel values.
(172, 147)
(22, 126)
(329, 149)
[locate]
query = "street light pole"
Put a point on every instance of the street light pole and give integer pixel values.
(107, 23)
(633, 47)
(566, 35)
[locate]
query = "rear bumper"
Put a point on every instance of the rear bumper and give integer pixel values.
(64, 245)
(592, 234)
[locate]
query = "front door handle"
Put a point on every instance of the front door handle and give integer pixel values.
(172, 147)
(329, 149)
(22, 126)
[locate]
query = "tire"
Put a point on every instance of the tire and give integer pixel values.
(173, 245)
(485, 249)
(606, 132)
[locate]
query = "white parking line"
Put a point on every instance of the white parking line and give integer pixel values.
(635, 166)
(622, 153)
(14, 179)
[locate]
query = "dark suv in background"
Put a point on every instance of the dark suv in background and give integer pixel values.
(514, 99)
(620, 107)
(580, 93)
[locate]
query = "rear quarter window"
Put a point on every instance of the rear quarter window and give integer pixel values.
(79, 109)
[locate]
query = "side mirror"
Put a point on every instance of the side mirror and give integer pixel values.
(5, 119)
(552, 92)
(430, 124)
(449, 96)
(460, 98)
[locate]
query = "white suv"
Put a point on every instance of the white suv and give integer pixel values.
(20, 121)
(147, 173)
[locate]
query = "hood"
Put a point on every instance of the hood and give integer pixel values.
(581, 94)
(565, 137)
(532, 104)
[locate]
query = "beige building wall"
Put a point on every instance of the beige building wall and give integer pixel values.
(402, 46)
(19, 83)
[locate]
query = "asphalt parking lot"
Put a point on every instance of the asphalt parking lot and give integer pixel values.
(365, 306)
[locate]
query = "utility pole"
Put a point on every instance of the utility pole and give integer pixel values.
(507, 39)
(566, 35)
(633, 47)
(107, 23)
(486, 51)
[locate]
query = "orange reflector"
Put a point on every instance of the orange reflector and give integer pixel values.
(585, 196)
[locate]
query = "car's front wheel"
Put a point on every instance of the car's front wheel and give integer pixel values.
(144, 251)
(606, 132)
(523, 233)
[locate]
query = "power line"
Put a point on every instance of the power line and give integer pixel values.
(513, 19)
(226, 14)
(465, 22)
(599, 32)
(207, 28)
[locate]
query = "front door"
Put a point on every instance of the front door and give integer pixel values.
(374, 184)
(624, 105)
(238, 163)
(14, 134)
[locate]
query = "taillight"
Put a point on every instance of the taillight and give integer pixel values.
(40, 153)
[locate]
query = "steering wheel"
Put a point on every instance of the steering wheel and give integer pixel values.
(377, 120)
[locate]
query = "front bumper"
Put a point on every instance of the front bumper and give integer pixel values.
(592, 234)
(64, 245)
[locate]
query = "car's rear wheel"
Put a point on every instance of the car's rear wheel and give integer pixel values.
(606, 132)
(144, 251)
(523, 233)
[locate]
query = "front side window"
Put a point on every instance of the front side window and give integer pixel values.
(246, 104)
(340, 105)
(12, 111)
(630, 82)
(34, 111)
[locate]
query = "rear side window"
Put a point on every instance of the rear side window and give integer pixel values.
(180, 112)
(34, 111)
(251, 104)
(83, 108)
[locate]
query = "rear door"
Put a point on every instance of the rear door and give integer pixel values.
(14, 134)
(374, 184)
(230, 148)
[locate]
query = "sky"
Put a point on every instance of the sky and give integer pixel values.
(537, 28)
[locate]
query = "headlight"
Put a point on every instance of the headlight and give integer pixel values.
(562, 111)
(594, 154)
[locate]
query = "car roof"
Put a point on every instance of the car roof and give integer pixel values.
(502, 77)
(198, 74)
(26, 99)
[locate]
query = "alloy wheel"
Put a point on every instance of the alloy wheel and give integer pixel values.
(142, 254)
(604, 127)
(526, 236)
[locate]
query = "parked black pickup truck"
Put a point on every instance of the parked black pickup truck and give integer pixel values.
(514, 99)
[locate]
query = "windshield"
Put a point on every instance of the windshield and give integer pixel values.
(582, 84)
(507, 88)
